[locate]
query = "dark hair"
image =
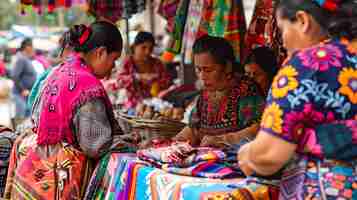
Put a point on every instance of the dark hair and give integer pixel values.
(339, 22)
(143, 37)
(219, 48)
(99, 34)
(25, 43)
(266, 59)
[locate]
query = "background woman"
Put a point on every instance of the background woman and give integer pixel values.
(311, 111)
(141, 75)
(229, 106)
(262, 66)
(73, 121)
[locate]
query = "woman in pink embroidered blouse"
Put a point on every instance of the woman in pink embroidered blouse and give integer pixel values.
(141, 75)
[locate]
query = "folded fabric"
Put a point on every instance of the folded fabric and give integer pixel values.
(206, 169)
(180, 158)
(181, 154)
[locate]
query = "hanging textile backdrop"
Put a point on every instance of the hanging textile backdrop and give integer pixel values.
(221, 18)
(112, 10)
(263, 30)
(40, 5)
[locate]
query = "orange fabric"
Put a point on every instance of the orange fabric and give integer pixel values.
(37, 173)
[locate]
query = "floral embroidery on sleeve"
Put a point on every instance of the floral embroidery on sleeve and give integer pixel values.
(316, 86)
(284, 82)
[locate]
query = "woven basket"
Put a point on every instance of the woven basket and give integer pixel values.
(149, 128)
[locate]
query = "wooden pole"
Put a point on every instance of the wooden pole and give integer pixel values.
(152, 16)
(61, 21)
(127, 33)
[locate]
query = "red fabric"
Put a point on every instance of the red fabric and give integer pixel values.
(2, 68)
(136, 89)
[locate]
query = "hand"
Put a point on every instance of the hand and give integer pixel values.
(212, 141)
(145, 144)
(25, 93)
(243, 159)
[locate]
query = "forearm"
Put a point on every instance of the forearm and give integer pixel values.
(267, 154)
(260, 163)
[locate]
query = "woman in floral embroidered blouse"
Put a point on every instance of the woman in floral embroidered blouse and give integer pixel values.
(141, 75)
(230, 104)
(309, 124)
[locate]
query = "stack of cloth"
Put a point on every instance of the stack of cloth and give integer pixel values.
(182, 159)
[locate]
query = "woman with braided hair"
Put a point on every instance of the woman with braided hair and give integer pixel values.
(73, 121)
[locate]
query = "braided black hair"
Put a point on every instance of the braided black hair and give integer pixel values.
(99, 34)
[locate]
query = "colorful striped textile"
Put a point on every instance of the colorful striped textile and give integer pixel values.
(195, 18)
(224, 18)
(176, 36)
(182, 159)
(126, 178)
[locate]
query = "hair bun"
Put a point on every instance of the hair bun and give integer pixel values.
(79, 35)
(344, 20)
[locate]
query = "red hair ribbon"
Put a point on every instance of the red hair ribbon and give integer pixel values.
(330, 5)
(85, 35)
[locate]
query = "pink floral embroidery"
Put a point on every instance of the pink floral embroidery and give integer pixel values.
(352, 124)
(310, 143)
(300, 126)
(321, 58)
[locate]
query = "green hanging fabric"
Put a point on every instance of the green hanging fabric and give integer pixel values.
(224, 18)
(179, 27)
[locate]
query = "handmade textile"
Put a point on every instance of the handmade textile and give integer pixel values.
(239, 108)
(224, 18)
(37, 87)
(316, 86)
(112, 9)
(182, 159)
(36, 172)
(176, 36)
(69, 87)
(249, 189)
(167, 9)
(312, 178)
(137, 88)
(221, 18)
(179, 154)
(195, 12)
(263, 30)
(127, 178)
(60, 170)
(7, 138)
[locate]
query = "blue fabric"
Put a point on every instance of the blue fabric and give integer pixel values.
(37, 87)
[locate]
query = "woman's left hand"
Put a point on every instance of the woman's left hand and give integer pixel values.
(243, 160)
(212, 141)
